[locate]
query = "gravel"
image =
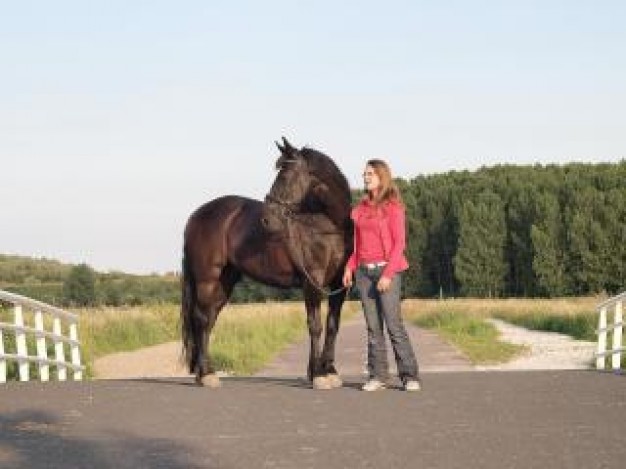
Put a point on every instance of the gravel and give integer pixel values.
(545, 350)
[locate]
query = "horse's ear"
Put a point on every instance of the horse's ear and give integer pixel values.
(281, 149)
(288, 147)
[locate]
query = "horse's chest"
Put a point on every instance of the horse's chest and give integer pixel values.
(276, 257)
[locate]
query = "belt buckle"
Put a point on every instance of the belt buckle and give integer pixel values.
(375, 265)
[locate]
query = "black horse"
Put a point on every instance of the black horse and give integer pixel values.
(300, 237)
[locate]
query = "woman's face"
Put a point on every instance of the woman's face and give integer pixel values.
(371, 179)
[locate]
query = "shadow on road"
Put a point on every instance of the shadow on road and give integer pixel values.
(555, 419)
(289, 382)
(39, 439)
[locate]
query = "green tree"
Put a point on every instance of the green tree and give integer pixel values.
(479, 261)
(79, 288)
(520, 216)
(547, 240)
(415, 242)
(616, 231)
(433, 235)
(589, 249)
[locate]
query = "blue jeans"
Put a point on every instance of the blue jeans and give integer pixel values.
(384, 309)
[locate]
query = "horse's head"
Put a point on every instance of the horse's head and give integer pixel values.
(307, 182)
(291, 187)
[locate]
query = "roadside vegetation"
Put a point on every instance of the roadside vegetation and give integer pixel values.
(476, 338)
(575, 317)
(462, 321)
(245, 337)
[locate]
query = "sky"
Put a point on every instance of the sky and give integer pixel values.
(119, 118)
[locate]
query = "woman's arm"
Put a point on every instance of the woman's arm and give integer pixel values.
(353, 260)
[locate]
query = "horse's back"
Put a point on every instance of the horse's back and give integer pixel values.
(208, 227)
(222, 207)
(228, 231)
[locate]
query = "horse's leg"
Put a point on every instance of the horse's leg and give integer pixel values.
(213, 294)
(313, 303)
(206, 315)
(335, 302)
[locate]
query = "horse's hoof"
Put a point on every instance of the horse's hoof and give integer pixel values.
(334, 380)
(209, 381)
(321, 382)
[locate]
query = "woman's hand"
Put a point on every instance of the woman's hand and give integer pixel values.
(347, 278)
(383, 284)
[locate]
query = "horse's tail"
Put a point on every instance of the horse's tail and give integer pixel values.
(187, 313)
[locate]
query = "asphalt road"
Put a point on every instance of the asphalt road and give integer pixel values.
(540, 419)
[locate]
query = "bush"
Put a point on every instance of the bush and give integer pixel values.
(79, 289)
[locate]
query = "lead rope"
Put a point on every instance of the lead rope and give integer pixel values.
(302, 267)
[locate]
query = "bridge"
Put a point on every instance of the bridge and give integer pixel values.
(462, 418)
(555, 419)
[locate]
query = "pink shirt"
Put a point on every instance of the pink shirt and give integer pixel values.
(379, 235)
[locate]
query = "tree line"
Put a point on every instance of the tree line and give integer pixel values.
(520, 231)
(64, 284)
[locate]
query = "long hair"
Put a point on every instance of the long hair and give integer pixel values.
(388, 189)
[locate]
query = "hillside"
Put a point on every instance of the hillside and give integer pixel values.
(44, 279)
(25, 270)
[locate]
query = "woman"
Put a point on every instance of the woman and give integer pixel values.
(376, 263)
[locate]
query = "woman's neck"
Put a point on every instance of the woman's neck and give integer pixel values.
(373, 195)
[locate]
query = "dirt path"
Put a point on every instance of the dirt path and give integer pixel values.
(433, 354)
(546, 350)
(162, 361)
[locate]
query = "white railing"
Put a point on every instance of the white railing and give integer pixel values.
(617, 326)
(23, 355)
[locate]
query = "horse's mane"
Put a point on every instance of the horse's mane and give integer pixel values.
(326, 170)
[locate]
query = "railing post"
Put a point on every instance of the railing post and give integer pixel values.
(600, 360)
(20, 342)
(616, 358)
(42, 352)
(3, 361)
(42, 337)
(75, 350)
(59, 352)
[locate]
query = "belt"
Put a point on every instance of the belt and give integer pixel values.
(374, 265)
